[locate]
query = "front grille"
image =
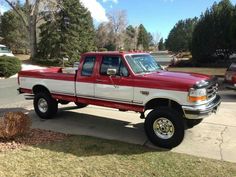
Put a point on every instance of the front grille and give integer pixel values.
(212, 90)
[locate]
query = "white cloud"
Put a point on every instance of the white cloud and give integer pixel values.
(114, 1)
(97, 11)
(3, 9)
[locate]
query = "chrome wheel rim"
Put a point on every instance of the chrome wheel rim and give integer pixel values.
(163, 128)
(42, 105)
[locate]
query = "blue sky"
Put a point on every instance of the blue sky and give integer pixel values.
(158, 16)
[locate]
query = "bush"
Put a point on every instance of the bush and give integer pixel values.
(9, 66)
(48, 62)
(102, 49)
(14, 124)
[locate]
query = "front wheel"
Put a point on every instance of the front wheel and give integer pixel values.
(164, 127)
(45, 106)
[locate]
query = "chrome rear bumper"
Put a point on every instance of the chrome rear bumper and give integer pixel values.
(202, 111)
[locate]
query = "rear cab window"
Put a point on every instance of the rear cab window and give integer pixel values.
(113, 62)
(88, 66)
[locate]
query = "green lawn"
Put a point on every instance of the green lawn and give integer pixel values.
(22, 57)
(86, 156)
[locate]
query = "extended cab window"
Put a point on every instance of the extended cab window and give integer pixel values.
(87, 69)
(109, 62)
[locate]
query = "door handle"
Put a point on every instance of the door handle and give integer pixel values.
(99, 80)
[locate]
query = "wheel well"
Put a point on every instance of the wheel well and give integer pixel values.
(40, 89)
(163, 102)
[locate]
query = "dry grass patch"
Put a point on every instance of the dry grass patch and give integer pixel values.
(87, 156)
(22, 57)
(34, 137)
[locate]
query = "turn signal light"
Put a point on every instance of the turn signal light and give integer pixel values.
(196, 99)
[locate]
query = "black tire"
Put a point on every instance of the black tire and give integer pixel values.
(52, 105)
(176, 129)
(190, 123)
(80, 105)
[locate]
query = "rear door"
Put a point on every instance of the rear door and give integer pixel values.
(118, 88)
(86, 77)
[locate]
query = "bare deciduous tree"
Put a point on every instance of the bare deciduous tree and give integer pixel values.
(118, 23)
(102, 37)
(30, 17)
(156, 39)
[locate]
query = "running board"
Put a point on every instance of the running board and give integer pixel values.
(29, 97)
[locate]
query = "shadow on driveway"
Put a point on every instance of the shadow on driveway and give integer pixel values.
(228, 96)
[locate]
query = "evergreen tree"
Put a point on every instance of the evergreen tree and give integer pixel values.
(180, 37)
(213, 32)
(233, 31)
(143, 39)
(69, 33)
(161, 45)
(150, 39)
(130, 42)
(0, 24)
(13, 31)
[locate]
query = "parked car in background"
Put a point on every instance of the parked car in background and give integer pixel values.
(230, 77)
(5, 51)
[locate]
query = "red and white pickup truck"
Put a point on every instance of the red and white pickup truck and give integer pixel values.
(127, 81)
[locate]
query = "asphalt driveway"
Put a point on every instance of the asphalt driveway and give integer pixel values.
(214, 138)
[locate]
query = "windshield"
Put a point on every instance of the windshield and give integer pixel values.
(4, 50)
(143, 63)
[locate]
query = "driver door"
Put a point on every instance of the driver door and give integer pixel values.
(116, 88)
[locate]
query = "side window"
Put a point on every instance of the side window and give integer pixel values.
(87, 69)
(109, 63)
(123, 70)
(113, 63)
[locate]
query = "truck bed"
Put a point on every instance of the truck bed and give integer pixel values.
(57, 82)
(48, 73)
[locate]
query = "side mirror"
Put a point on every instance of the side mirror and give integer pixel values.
(111, 72)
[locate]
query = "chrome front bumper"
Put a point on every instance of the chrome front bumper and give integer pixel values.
(202, 111)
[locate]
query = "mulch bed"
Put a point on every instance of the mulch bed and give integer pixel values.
(34, 137)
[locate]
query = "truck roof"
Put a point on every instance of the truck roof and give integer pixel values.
(116, 53)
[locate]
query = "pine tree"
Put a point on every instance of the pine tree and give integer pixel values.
(130, 42)
(0, 25)
(143, 40)
(69, 33)
(161, 45)
(13, 31)
(180, 37)
(213, 32)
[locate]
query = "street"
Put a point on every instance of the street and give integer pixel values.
(214, 138)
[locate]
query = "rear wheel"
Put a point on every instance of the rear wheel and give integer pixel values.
(80, 105)
(164, 127)
(45, 106)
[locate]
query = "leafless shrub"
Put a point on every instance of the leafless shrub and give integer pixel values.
(14, 124)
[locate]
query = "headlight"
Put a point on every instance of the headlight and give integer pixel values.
(196, 95)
